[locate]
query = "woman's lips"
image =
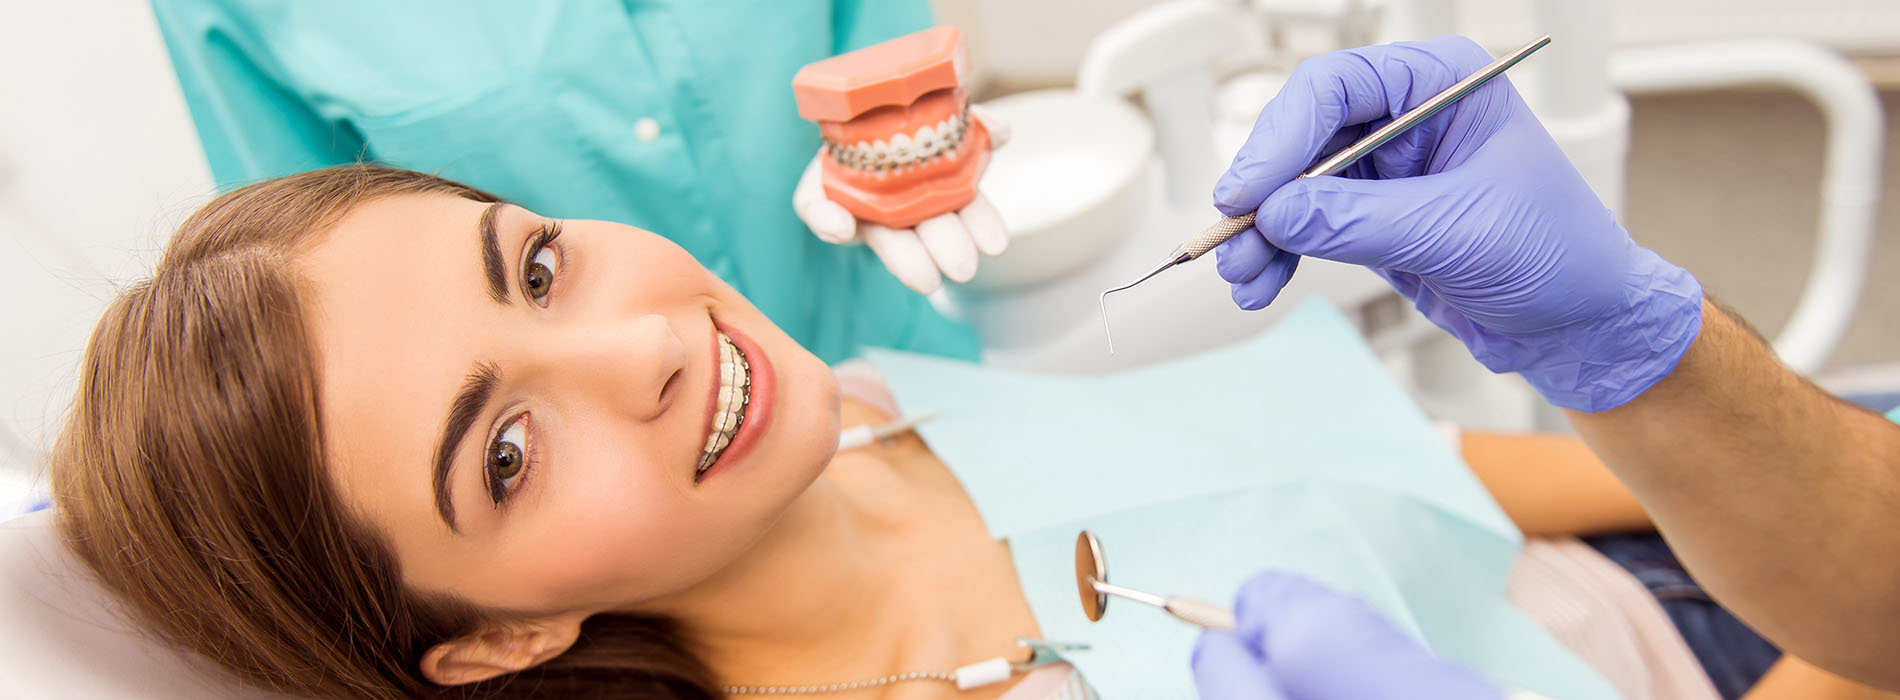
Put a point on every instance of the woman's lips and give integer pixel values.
(758, 413)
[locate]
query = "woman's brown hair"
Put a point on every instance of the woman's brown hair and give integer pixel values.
(190, 477)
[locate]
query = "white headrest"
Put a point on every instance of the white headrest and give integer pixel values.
(64, 637)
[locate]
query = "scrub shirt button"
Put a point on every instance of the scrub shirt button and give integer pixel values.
(646, 129)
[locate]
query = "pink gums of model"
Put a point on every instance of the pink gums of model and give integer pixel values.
(900, 146)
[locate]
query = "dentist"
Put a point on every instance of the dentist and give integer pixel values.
(1780, 498)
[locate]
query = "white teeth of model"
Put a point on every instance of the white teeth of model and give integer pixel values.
(881, 153)
(903, 151)
(926, 142)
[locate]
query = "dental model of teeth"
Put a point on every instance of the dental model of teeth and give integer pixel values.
(900, 144)
(903, 150)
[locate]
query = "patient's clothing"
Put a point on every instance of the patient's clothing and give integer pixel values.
(1605, 616)
(676, 116)
(1732, 653)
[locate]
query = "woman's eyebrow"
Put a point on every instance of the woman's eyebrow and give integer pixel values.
(469, 404)
(492, 265)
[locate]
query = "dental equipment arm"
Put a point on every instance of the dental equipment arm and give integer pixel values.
(1780, 498)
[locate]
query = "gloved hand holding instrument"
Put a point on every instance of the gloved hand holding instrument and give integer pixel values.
(1475, 215)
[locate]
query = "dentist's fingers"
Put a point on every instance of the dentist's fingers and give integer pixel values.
(1392, 224)
(1329, 92)
(1257, 293)
(949, 244)
(1227, 667)
(826, 218)
(904, 255)
(995, 123)
(1242, 257)
(986, 226)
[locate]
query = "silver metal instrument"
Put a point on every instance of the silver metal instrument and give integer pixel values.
(1231, 226)
(860, 435)
(1091, 581)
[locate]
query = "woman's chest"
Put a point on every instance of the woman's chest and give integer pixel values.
(954, 571)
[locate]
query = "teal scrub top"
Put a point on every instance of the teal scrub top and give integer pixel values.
(675, 116)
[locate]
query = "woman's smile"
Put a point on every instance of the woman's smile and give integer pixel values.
(741, 407)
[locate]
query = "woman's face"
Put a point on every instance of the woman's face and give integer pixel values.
(526, 419)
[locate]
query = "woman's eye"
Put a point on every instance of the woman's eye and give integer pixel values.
(507, 459)
(538, 280)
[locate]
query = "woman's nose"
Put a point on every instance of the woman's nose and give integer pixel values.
(632, 363)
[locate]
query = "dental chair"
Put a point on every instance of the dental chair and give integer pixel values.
(65, 637)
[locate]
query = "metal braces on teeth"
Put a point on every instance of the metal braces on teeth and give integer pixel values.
(871, 159)
(744, 386)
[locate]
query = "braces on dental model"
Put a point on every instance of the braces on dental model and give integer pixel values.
(904, 150)
(899, 143)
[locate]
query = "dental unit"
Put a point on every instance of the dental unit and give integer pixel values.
(1231, 226)
(900, 146)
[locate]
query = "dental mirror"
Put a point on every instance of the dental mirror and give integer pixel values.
(1090, 567)
(1091, 583)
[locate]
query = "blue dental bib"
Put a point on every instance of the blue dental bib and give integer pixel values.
(1292, 450)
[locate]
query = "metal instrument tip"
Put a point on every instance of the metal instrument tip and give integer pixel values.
(1177, 259)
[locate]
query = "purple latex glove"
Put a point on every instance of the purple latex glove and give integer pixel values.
(1298, 640)
(1475, 215)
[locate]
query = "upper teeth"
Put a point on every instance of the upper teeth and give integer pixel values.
(735, 393)
(903, 150)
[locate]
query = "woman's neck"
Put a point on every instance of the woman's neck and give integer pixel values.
(883, 566)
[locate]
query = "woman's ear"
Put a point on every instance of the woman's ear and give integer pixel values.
(499, 650)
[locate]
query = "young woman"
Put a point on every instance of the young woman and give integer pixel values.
(370, 433)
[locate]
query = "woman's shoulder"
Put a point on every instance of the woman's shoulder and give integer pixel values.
(860, 382)
(868, 401)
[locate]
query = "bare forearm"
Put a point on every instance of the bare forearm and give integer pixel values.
(1781, 499)
(1794, 679)
(1552, 485)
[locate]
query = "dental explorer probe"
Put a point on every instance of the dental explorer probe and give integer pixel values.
(1231, 226)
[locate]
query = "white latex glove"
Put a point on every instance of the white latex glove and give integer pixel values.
(942, 246)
